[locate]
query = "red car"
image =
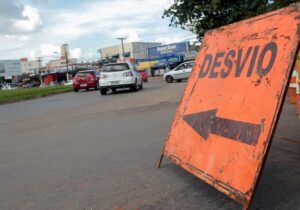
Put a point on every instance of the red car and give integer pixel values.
(86, 80)
(144, 75)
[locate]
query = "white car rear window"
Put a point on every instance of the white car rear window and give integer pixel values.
(116, 67)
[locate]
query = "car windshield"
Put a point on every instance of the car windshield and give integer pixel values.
(116, 67)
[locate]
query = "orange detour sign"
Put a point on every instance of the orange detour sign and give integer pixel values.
(225, 122)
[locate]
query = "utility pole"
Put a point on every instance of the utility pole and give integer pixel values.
(39, 59)
(123, 54)
(100, 62)
(67, 64)
(99, 51)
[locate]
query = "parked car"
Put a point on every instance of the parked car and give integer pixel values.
(9, 87)
(69, 82)
(86, 80)
(179, 73)
(43, 85)
(144, 75)
(28, 85)
(55, 83)
(119, 75)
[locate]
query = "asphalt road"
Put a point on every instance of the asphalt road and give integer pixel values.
(86, 151)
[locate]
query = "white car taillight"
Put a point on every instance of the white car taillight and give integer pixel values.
(128, 74)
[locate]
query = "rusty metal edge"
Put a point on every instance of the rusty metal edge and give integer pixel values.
(211, 180)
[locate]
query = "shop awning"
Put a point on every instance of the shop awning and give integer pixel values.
(146, 65)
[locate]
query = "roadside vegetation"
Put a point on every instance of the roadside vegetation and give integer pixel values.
(199, 16)
(7, 96)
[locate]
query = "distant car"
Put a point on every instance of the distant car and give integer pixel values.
(86, 80)
(144, 75)
(43, 85)
(28, 85)
(179, 73)
(54, 84)
(119, 75)
(69, 82)
(9, 87)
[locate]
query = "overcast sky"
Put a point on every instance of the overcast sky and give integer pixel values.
(31, 28)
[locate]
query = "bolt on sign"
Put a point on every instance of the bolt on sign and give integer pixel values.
(225, 122)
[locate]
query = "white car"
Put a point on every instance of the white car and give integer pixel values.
(69, 82)
(9, 87)
(179, 73)
(119, 75)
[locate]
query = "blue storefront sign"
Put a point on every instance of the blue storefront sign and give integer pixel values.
(168, 51)
(168, 55)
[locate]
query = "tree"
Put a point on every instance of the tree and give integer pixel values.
(199, 16)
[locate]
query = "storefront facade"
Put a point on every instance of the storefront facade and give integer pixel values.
(167, 56)
(133, 51)
(10, 70)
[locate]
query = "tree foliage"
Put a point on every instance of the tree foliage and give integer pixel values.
(200, 16)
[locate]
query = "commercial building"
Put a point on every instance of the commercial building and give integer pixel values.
(30, 67)
(64, 50)
(152, 56)
(132, 50)
(86, 65)
(10, 69)
(64, 60)
(58, 69)
(165, 57)
(60, 63)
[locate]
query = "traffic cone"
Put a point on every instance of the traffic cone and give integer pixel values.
(293, 88)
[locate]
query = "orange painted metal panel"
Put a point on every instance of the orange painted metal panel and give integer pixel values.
(225, 122)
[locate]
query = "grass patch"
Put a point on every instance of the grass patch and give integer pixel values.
(7, 96)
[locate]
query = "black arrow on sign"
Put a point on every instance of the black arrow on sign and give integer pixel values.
(206, 122)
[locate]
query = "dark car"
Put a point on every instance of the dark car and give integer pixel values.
(144, 75)
(28, 85)
(86, 80)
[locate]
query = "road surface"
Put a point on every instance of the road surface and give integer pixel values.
(86, 151)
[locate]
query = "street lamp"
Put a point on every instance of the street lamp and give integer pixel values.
(123, 54)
